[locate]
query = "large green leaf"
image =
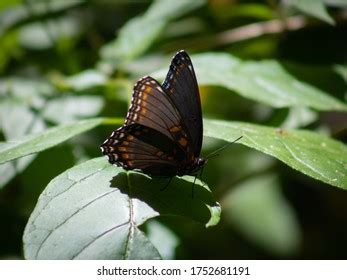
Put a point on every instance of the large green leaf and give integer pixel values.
(38, 142)
(139, 33)
(93, 210)
(313, 154)
(259, 211)
(265, 81)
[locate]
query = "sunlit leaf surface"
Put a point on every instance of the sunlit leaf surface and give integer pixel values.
(93, 210)
(310, 153)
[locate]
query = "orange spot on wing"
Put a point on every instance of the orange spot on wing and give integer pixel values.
(159, 153)
(147, 90)
(145, 96)
(175, 129)
(183, 141)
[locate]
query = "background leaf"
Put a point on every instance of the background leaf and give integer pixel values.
(19, 13)
(134, 39)
(16, 120)
(310, 153)
(38, 142)
(71, 108)
(44, 35)
(164, 240)
(85, 80)
(267, 82)
(314, 8)
(93, 210)
(274, 227)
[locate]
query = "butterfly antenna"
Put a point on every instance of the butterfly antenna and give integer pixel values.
(215, 153)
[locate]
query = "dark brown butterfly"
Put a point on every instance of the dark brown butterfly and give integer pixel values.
(162, 133)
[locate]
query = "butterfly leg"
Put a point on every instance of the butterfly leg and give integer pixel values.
(168, 183)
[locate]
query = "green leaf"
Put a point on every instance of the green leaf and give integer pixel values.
(71, 108)
(315, 155)
(31, 91)
(299, 117)
(342, 71)
(16, 120)
(314, 8)
(93, 210)
(163, 239)
(44, 35)
(20, 13)
(258, 209)
(85, 80)
(133, 39)
(266, 82)
(41, 141)
(8, 3)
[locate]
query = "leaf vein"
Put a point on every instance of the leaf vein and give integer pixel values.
(99, 236)
(69, 217)
(131, 222)
(297, 158)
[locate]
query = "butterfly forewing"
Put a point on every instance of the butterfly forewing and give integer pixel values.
(151, 107)
(182, 87)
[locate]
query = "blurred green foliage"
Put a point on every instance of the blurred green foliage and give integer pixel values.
(67, 71)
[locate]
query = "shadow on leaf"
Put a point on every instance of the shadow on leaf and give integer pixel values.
(175, 199)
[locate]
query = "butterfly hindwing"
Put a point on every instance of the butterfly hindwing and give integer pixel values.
(152, 107)
(136, 146)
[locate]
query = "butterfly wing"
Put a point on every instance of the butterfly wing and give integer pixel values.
(136, 146)
(182, 88)
(152, 107)
(162, 133)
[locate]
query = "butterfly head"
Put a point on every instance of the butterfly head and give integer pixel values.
(197, 165)
(200, 162)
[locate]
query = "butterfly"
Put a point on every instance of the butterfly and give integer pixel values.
(162, 132)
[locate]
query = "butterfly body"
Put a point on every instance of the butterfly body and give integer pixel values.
(162, 133)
